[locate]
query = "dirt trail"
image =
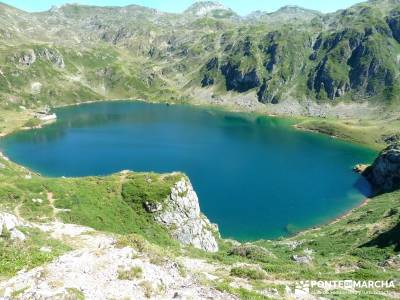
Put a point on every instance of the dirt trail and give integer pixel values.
(50, 198)
(17, 211)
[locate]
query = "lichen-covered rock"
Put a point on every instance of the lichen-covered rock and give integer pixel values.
(384, 173)
(52, 56)
(27, 58)
(8, 225)
(181, 215)
(30, 56)
(302, 259)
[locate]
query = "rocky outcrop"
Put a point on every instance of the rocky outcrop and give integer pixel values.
(180, 213)
(239, 81)
(394, 24)
(207, 80)
(52, 56)
(384, 173)
(8, 227)
(210, 71)
(323, 80)
(305, 258)
(264, 96)
(209, 9)
(30, 56)
(27, 58)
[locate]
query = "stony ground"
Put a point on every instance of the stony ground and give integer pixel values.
(99, 269)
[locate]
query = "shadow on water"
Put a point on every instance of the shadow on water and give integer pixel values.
(363, 187)
(291, 229)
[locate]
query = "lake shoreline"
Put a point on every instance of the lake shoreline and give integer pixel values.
(297, 119)
(350, 212)
(178, 110)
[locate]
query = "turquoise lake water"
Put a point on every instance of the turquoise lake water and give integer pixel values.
(256, 176)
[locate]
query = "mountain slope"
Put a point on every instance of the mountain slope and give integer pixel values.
(293, 53)
(284, 15)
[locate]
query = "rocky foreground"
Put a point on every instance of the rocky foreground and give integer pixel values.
(101, 268)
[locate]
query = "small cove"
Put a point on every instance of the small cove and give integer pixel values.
(256, 176)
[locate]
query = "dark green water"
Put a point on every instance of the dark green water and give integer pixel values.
(256, 177)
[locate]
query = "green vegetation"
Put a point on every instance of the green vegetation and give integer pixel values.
(18, 255)
(275, 56)
(34, 122)
(362, 245)
(76, 294)
(131, 274)
(113, 203)
(240, 292)
(248, 272)
(149, 188)
(368, 132)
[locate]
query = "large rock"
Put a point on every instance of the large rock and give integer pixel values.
(384, 173)
(8, 225)
(181, 215)
(27, 58)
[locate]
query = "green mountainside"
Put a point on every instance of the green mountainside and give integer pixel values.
(133, 51)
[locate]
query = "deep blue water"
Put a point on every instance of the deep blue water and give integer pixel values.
(256, 176)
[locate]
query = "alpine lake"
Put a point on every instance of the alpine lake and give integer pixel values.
(256, 176)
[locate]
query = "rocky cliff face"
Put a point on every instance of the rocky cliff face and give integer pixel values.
(181, 215)
(238, 80)
(384, 173)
